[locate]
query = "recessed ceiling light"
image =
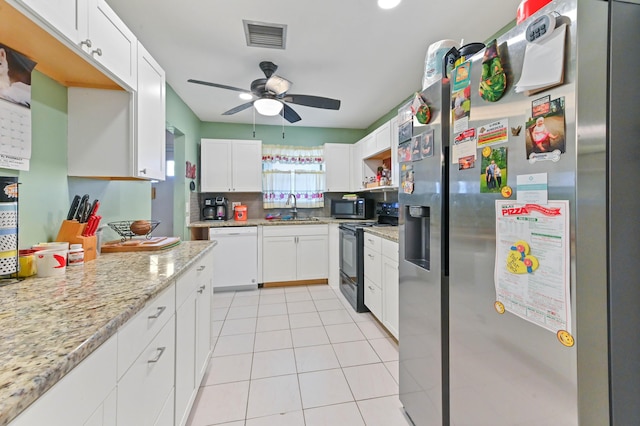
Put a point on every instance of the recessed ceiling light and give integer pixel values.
(388, 4)
(246, 96)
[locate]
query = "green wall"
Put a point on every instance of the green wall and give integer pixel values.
(272, 135)
(186, 129)
(44, 195)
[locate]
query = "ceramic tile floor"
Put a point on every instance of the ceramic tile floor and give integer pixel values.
(297, 356)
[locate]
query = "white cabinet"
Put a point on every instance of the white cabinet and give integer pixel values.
(193, 334)
(381, 280)
(382, 136)
(90, 27)
(144, 388)
(150, 118)
(295, 253)
(229, 165)
(117, 134)
(356, 166)
(112, 44)
(390, 287)
(67, 18)
(86, 394)
(395, 165)
(368, 145)
(337, 165)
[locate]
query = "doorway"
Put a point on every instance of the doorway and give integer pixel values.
(162, 193)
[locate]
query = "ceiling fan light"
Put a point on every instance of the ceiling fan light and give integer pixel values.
(277, 85)
(266, 106)
(246, 96)
(388, 4)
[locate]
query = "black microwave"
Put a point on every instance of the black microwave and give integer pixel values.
(359, 208)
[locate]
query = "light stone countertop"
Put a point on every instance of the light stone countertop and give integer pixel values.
(49, 325)
(387, 232)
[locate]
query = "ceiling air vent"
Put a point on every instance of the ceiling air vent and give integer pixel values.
(262, 34)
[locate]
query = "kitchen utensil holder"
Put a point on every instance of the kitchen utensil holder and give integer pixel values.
(71, 232)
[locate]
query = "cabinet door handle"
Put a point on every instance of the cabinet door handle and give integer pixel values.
(161, 309)
(371, 256)
(370, 288)
(98, 52)
(202, 268)
(143, 171)
(86, 42)
(370, 240)
(158, 355)
(201, 289)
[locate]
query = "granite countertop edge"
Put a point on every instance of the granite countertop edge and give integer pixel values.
(390, 233)
(17, 395)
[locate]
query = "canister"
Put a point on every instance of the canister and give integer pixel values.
(240, 213)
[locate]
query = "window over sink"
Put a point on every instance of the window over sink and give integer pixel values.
(292, 170)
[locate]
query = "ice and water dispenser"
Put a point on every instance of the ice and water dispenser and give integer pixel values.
(417, 236)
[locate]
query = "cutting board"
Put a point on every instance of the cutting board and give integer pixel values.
(141, 244)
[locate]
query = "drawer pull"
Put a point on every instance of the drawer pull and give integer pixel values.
(161, 309)
(201, 289)
(200, 269)
(370, 288)
(371, 256)
(370, 240)
(157, 358)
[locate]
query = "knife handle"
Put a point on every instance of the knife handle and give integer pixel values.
(74, 207)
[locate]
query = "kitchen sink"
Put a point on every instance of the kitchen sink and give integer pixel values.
(302, 219)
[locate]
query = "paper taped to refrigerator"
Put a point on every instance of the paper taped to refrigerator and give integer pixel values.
(532, 262)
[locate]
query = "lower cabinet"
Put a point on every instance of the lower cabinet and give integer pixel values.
(144, 388)
(86, 395)
(193, 334)
(381, 281)
(146, 374)
(295, 253)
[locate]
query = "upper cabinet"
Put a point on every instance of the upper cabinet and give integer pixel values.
(356, 166)
(110, 42)
(150, 120)
(337, 163)
(117, 134)
(230, 165)
(382, 136)
(91, 28)
(68, 18)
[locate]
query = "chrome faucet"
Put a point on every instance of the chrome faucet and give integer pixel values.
(294, 210)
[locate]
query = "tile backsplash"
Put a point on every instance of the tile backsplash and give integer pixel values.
(253, 201)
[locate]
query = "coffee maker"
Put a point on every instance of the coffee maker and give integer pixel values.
(215, 208)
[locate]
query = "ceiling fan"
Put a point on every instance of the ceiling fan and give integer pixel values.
(268, 95)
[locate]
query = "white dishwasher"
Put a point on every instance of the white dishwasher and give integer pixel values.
(235, 260)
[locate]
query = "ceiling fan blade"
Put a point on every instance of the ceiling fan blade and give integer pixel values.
(313, 101)
(221, 86)
(238, 108)
(289, 114)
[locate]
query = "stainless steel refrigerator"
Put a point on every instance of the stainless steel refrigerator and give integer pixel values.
(463, 361)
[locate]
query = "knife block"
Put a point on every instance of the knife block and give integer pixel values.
(71, 232)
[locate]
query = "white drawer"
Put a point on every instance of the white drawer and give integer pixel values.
(143, 390)
(294, 230)
(187, 282)
(372, 241)
(142, 328)
(373, 298)
(373, 265)
(390, 249)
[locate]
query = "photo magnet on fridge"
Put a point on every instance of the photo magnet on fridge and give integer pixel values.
(545, 130)
(493, 169)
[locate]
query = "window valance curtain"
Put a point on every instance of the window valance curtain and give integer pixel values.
(292, 154)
